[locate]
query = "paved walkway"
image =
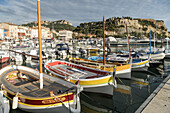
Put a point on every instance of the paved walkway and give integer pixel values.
(159, 100)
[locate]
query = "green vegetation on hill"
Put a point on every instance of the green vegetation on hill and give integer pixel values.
(53, 25)
(146, 22)
(117, 26)
(58, 27)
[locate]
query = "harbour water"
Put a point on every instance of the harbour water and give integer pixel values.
(128, 96)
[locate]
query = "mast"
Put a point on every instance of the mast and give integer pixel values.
(150, 41)
(167, 41)
(40, 45)
(154, 42)
(128, 41)
(161, 43)
(103, 41)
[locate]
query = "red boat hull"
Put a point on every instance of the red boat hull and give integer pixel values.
(4, 59)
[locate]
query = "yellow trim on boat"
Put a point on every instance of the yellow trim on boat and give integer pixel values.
(39, 105)
(118, 68)
(94, 82)
(34, 98)
(139, 82)
(141, 63)
(44, 105)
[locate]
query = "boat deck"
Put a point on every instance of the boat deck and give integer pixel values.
(93, 63)
(65, 70)
(29, 86)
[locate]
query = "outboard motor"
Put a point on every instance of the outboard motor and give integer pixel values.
(81, 51)
(43, 53)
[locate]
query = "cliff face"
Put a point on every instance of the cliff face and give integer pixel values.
(117, 26)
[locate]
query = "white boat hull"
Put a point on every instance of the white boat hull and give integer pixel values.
(124, 74)
(159, 56)
(107, 90)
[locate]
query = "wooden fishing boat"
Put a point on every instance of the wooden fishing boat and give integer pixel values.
(4, 57)
(34, 91)
(23, 83)
(92, 80)
(137, 64)
(140, 64)
(122, 70)
(167, 51)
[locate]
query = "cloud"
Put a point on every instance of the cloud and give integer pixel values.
(78, 11)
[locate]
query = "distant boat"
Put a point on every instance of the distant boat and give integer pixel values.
(167, 51)
(4, 57)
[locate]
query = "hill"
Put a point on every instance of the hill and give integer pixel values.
(57, 25)
(116, 27)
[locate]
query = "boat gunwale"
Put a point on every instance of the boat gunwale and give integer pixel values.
(24, 96)
(82, 79)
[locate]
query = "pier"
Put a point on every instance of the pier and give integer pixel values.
(159, 100)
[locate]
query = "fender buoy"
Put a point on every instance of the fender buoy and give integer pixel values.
(15, 102)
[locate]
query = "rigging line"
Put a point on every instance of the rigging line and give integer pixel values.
(60, 101)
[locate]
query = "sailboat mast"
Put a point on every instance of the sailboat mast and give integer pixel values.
(150, 41)
(154, 42)
(128, 41)
(40, 45)
(167, 41)
(103, 41)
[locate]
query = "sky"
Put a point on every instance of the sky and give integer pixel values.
(80, 11)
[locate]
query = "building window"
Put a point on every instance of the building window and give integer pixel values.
(5, 34)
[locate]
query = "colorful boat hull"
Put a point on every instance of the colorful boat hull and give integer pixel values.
(122, 70)
(140, 65)
(4, 59)
(88, 83)
(49, 103)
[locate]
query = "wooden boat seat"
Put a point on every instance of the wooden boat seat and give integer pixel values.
(56, 88)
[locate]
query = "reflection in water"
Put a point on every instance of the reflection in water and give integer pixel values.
(128, 96)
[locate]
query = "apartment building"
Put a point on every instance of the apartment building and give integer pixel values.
(34, 33)
(1, 33)
(5, 27)
(65, 35)
(13, 31)
(22, 32)
(46, 33)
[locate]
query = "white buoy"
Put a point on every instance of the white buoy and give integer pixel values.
(1, 93)
(4, 104)
(15, 103)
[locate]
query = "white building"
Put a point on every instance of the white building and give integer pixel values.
(65, 35)
(22, 32)
(1, 33)
(46, 33)
(34, 33)
(28, 33)
(13, 31)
